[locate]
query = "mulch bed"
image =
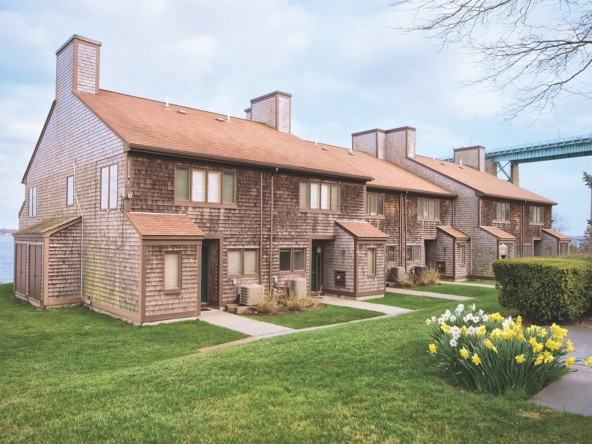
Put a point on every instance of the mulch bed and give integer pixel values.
(282, 311)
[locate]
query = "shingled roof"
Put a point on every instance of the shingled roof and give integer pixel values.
(362, 230)
(482, 182)
(160, 224)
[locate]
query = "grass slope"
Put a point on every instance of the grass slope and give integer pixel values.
(363, 382)
(330, 314)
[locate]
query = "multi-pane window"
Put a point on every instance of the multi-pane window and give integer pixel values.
(390, 253)
(536, 215)
(70, 190)
(292, 259)
(414, 253)
(527, 250)
(374, 204)
(372, 261)
(204, 186)
(461, 254)
(428, 209)
(33, 202)
(109, 187)
(243, 261)
(501, 211)
(172, 271)
(319, 196)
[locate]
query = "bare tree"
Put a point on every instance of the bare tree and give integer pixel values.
(561, 222)
(536, 49)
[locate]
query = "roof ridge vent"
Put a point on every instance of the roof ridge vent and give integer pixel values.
(228, 119)
(167, 104)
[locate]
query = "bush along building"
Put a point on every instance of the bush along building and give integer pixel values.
(149, 211)
(491, 218)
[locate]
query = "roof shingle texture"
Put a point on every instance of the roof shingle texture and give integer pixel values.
(157, 224)
(455, 233)
(46, 225)
(362, 230)
(480, 181)
(499, 233)
(557, 234)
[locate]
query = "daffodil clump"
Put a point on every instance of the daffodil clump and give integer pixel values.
(493, 354)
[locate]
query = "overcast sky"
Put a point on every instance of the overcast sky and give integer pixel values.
(346, 69)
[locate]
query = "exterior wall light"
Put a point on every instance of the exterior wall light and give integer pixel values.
(503, 251)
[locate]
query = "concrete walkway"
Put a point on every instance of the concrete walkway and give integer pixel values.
(242, 324)
(428, 294)
(352, 303)
(573, 392)
(468, 284)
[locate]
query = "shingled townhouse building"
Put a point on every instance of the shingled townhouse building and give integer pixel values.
(149, 211)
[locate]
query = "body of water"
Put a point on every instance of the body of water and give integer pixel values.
(6, 259)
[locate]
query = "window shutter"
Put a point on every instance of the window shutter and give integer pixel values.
(228, 193)
(182, 183)
(198, 189)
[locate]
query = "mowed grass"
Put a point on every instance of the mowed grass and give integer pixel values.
(330, 314)
(472, 281)
(409, 302)
(460, 290)
(360, 382)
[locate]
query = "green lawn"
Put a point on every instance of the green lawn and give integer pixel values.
(471, 281)
(73, 376)
(410, 302)
(330, 314)
(460, 290)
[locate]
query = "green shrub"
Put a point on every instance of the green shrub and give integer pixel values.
(545, 289)
(491, 354)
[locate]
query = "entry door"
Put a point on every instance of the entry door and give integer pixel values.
(316, 268)
(204, 275)
(35, 272)
(20, 264)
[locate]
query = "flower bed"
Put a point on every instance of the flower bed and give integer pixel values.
(491, 354)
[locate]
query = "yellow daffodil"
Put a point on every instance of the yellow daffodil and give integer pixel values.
(476, 359)
(533, 341)
(520, 359)
(445, 328)
(490, 345)
(538, 348)
(464, 353)
(543, 333)
(548, 357)
(570, 361)
(432, 348)
(464, 330)
(570, 347)
(519, 320)
(521, 337)
(539, 359)
(553, 345)
(588, 361)
(481, 330)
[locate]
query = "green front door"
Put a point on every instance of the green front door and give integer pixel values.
(313, 268)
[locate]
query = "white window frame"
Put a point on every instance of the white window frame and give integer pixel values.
(69, 191)
(428, 209)
(207, 197)
(537, 215)
(319, 196)
(178, 287)
(242, 261)
(33, 202)
(108, 198)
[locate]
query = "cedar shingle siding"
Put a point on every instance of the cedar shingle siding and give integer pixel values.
(113, 260)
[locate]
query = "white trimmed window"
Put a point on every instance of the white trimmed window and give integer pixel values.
(319, 196)
(414, 253)
(371, 261)
(501, 212)
(428, 209)
(292, 259)
(172, 271)
(109, 187)
(374, 204)
(33, 202)
(243, 261)
(204, 186)
(536, 215)
(70, 191)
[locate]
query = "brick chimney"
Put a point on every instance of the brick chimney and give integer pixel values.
(273, 109)
(77, 67)
(473, 156)
(392, 145)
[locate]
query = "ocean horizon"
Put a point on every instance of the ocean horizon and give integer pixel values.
(6, 259)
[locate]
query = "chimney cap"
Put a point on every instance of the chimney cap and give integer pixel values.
(275, 93)
(78, 37)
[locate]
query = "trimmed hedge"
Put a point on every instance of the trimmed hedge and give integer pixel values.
(545, 289)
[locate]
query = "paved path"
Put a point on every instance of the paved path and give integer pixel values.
(573, 392)
(429, 294)
(468, 284)
(352, 303)
(242, 324)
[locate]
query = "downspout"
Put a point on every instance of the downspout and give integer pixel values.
(271, 232)
(405, 232)
(81, 230)
(522, 233)
(261, 226)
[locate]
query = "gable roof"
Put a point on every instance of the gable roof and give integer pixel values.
(556, 234)
(24, 179)
(362, 230)
(49, 225)
(145, 125)
(484, 183)
(499, 233)
(454, 233)
(160, 224)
